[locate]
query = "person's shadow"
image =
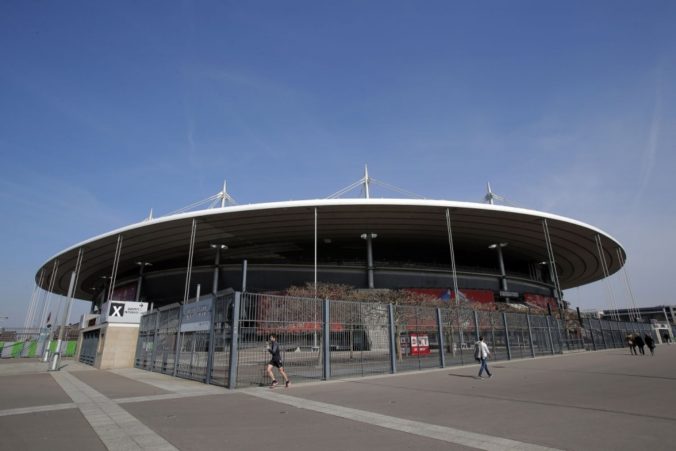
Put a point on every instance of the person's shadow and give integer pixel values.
(462, 375)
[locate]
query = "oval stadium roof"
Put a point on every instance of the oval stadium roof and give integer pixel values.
(268, 229)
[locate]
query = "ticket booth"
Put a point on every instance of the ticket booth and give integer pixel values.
(111, 341)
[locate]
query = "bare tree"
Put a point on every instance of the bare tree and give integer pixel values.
(372, 302)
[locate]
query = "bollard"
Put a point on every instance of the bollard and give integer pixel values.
(54, 365)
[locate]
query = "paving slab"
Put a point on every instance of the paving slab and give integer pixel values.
(115, 386)
(602, 400)
(584, 401)
(169, 383)
(63, 430)
(242, 422)
(28, 390)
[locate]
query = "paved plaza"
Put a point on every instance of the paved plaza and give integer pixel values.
(582, 401)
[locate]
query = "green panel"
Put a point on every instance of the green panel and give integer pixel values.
(70, 348)
(32, 348)
(17, 348)
(67, 346)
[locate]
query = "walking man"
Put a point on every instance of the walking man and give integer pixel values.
(481, 353)
(640, 343)
(650, 343)
(276, 361)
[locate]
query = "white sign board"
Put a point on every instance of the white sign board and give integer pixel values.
(123, 312)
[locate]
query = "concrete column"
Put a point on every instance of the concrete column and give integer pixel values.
(369, 257)
(503, 273)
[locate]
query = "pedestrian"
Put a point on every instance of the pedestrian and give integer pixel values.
(276, 361)
(640, 343)
(630, 343)
(650, 343)
(481, 353)
(666, 338)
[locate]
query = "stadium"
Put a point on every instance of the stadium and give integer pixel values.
(202, 274)
(490, 253)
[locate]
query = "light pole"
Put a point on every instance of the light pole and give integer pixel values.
(369, 237)
(503, 274)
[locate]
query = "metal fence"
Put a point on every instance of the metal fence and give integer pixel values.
(33, 342)
(603, 334)
(222, 339)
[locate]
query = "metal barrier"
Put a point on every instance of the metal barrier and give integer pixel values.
(359, 339)
(165, 340)
(296, 323)
(491, 326)
(89, 347)
(223, 340)
(33, 342)
(416, 337)
(146, 341)
(221, 334)
(459, 335)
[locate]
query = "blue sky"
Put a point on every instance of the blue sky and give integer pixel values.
(107, 110)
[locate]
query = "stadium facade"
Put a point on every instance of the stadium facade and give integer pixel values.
(487, 252)
(483, 253)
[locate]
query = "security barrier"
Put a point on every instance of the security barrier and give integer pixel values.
(223, 340)
(33, 342)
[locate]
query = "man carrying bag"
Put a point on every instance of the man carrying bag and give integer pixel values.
(481, 354)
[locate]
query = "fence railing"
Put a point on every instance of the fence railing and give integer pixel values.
(222, 340)
(33, 342)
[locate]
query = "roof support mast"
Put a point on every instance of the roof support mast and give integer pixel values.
(369, 235)
(225, 193)
(366, 181)
(490, 196)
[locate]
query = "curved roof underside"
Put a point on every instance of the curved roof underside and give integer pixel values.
(270, 230)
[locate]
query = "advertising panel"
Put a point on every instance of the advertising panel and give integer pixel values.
(415, 344)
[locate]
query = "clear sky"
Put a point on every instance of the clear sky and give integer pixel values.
(110, 108)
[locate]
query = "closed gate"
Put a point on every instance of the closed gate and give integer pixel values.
(90, 343)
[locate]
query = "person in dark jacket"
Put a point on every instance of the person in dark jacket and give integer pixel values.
(640, 343)
(650, 343)
(276, 361)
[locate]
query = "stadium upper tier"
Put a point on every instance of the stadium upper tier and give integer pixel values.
(407, 233)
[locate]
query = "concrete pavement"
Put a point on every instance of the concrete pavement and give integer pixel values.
(594, 400)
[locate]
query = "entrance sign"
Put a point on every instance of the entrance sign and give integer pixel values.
(127, 312)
